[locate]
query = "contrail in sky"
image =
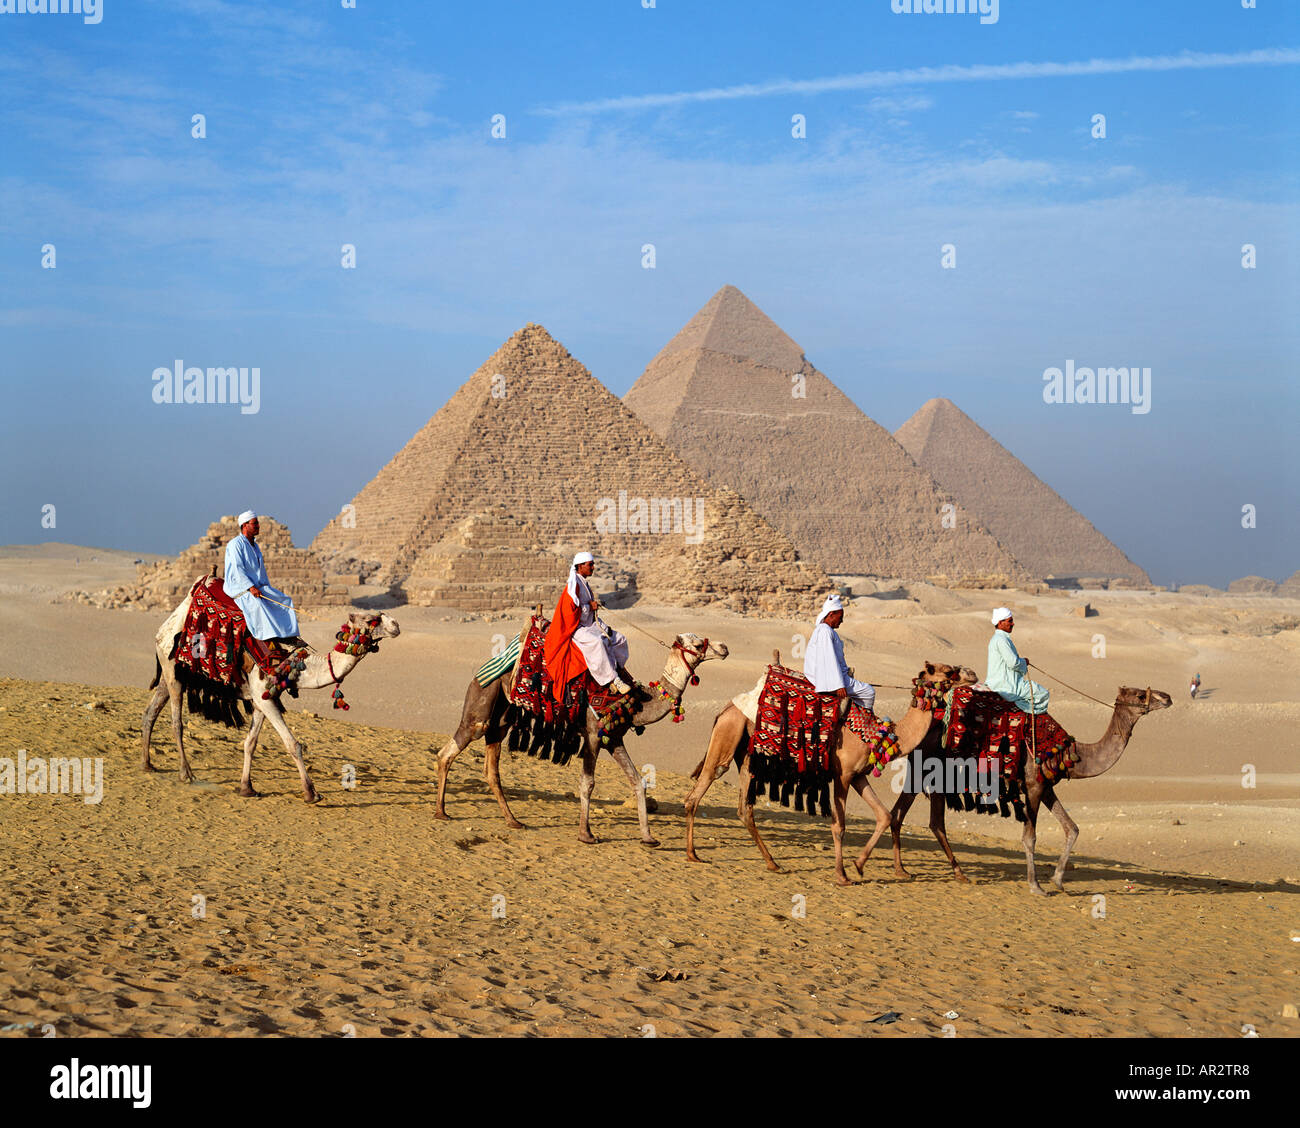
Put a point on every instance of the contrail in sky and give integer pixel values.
(914, 76)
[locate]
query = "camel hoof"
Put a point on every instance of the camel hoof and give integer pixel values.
(903, 875)
(441, 815)
(187, 777)
(147, 767)
(249, 793)
(312, 798)
(589, 839)
(1037, 891)
(774, 868)
(513, 824)
(858, 866)
(651, 842)
(691, 856)
(1059, 882)
(959, 876)
(842, 879)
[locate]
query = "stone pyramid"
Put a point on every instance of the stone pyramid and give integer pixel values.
(295, 571)
(1000, 489)
(532, 459)
(741, 403)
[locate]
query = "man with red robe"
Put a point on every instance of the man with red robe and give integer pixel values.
(577, 640)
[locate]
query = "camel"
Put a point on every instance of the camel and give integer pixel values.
(1094, 759)
(485, 707)
(321, 671)
(730, 739)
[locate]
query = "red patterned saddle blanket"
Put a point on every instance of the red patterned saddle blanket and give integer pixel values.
(213, 636)
(790, 750)
(977, 722)
(531, 688)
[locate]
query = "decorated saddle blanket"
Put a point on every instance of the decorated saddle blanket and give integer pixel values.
(877, 734)
(212, 639)
(790, 750)
(977, 721)
(500, 664)
(530, 689)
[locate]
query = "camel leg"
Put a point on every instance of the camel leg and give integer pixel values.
(637, 781)
(492, 773)
(250, 744)
(1071, 829)
(151, 712)
(862, 785)
(839, 794)
(291, 745)
(585, 787)
(702, 784)
(723, 745)
(745, 809)
(446, 755)
(178, 728)
(902, 805)
(1033, 796)
(939, 827)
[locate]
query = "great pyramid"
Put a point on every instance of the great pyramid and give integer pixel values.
(295, 571)
(1000, 489)
(533, 458)
(741, 403)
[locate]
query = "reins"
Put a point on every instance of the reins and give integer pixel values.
(1089, 696)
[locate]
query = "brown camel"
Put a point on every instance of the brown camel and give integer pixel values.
(732, 732)
(1130, 704)
(321, 671)
(484, 712)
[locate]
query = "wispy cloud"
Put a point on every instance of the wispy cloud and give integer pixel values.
(980, 72)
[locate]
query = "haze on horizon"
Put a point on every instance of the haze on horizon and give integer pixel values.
(624, 127)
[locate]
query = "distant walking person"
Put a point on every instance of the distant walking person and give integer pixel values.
(1196, 686)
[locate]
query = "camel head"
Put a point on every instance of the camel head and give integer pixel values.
(375, 624)
(695, 650)
(1143, 700)
(943, 677)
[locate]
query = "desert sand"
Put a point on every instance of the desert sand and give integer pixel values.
(178, 909)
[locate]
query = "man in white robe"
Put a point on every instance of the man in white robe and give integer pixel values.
(823, 662)
(1007, 670)
(247, 584)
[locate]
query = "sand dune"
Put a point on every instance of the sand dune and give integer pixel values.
(366, 914)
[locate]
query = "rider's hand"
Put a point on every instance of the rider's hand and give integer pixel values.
(841, 694)
(256, 591)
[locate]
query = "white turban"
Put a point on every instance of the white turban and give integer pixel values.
(1000, 613)
(571, 586)
(245, 517)
(833, 603)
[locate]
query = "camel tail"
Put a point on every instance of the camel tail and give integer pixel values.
(157, 672)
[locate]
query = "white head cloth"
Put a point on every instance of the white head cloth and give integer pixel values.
(572, 585)
(1000, 613)
(833, 603)
(245, 517)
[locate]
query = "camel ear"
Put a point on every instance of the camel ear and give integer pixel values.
(929, 666)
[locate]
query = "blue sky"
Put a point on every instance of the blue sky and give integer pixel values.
(672, 126)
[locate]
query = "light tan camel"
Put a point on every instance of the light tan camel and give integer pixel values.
(730, 741)
(1094, 759)
(321, 671)
(484, 715)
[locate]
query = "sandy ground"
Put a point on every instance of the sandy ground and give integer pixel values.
(365, 911)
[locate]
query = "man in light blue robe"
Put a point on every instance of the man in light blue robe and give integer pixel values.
(248, 586)
(823, 662)
(1007, 670)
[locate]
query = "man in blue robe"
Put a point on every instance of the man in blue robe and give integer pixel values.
(1007, 670)
(247, 584)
